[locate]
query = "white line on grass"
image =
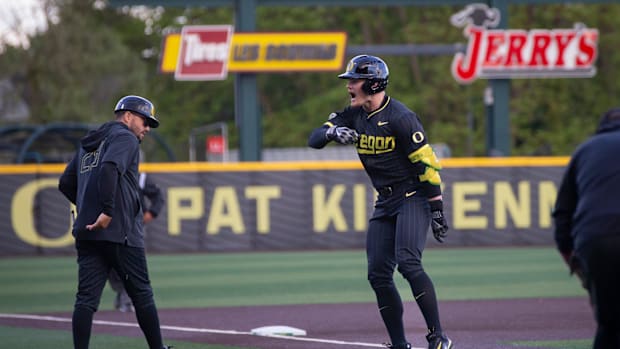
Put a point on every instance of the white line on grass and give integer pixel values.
(191, 329)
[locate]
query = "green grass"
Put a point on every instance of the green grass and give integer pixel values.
(47, 284)
(573, 344)
(50, 339)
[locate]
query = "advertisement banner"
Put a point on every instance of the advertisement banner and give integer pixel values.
(203, 52)
(518, 53)
(289, 206)
(250, 52)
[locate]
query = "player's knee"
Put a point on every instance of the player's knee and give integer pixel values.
(378, 281)
(141, 298)
(89, 307)
(410, 269)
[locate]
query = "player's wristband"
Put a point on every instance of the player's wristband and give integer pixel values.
(436, 205)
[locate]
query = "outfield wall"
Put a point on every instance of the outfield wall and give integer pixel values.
(289, 205)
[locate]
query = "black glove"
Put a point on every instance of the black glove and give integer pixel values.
(341, 134)
(438, 221)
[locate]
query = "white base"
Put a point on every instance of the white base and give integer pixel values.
(278, 331)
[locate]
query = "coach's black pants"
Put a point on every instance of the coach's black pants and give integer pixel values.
(601, 260)
(95, 260)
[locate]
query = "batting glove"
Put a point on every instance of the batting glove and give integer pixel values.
(439, 225)
(342, 135)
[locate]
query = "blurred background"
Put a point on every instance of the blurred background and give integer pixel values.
(68, 62)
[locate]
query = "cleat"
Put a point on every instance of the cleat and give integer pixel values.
(439, 341)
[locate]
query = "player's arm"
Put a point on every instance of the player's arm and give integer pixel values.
(431, 182)
(334, 129)
(318, 137)
(425, 159)
(154, 194)
(411, 136)
(410, 133)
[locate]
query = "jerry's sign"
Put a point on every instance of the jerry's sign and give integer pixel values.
(517, 53)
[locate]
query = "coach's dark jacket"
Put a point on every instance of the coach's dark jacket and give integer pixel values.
(587, 202)
(103, 177)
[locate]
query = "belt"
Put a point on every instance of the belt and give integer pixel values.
(388, 190)
(385, 191)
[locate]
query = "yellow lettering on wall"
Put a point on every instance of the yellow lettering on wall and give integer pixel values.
(263, 194)
(225, 212)
(462, 205)
(183, 203)
(360, 222)
(326, 209)
(506, 202)
(22, 215)
(547, 194)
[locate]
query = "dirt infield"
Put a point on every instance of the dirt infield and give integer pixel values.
(487, 324)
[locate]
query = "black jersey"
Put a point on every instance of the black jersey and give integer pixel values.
(387, 137)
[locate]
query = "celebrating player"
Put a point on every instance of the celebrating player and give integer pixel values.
(393, 148)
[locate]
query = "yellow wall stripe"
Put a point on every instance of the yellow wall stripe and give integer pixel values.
(296, 166)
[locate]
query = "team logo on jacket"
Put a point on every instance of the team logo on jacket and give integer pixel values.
(367, 144)
(537, 53)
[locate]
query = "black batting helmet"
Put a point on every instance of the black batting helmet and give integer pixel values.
(372, 69)
(139, 105)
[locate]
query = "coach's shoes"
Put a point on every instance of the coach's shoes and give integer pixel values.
(437, 340)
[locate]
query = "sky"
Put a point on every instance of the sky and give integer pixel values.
(19, 18)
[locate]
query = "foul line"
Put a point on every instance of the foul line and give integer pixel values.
(193, 329)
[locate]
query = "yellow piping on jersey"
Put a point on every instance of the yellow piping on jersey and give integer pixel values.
(427, 156)
(380, 109)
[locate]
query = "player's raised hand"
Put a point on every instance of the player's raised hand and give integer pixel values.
(342, 135)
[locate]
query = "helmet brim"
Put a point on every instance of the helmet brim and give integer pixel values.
(348, 75)
(150, 120)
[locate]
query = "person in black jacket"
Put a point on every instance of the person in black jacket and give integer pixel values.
(152, 200)
(587, 224)
(102, 181)
(402, 166)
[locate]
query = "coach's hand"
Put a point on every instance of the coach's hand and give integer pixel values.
(439, 225)
(102, 222)
(342, 135)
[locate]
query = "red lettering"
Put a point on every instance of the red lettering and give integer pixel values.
(468, 73)
(562, 39)
(541, 40)
(516, 41)
(494, 57)
(587, 48)
(520, 53)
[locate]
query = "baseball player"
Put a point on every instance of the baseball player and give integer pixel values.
(102, 181)
(152, 201)
(403, 168)
(587, 224)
